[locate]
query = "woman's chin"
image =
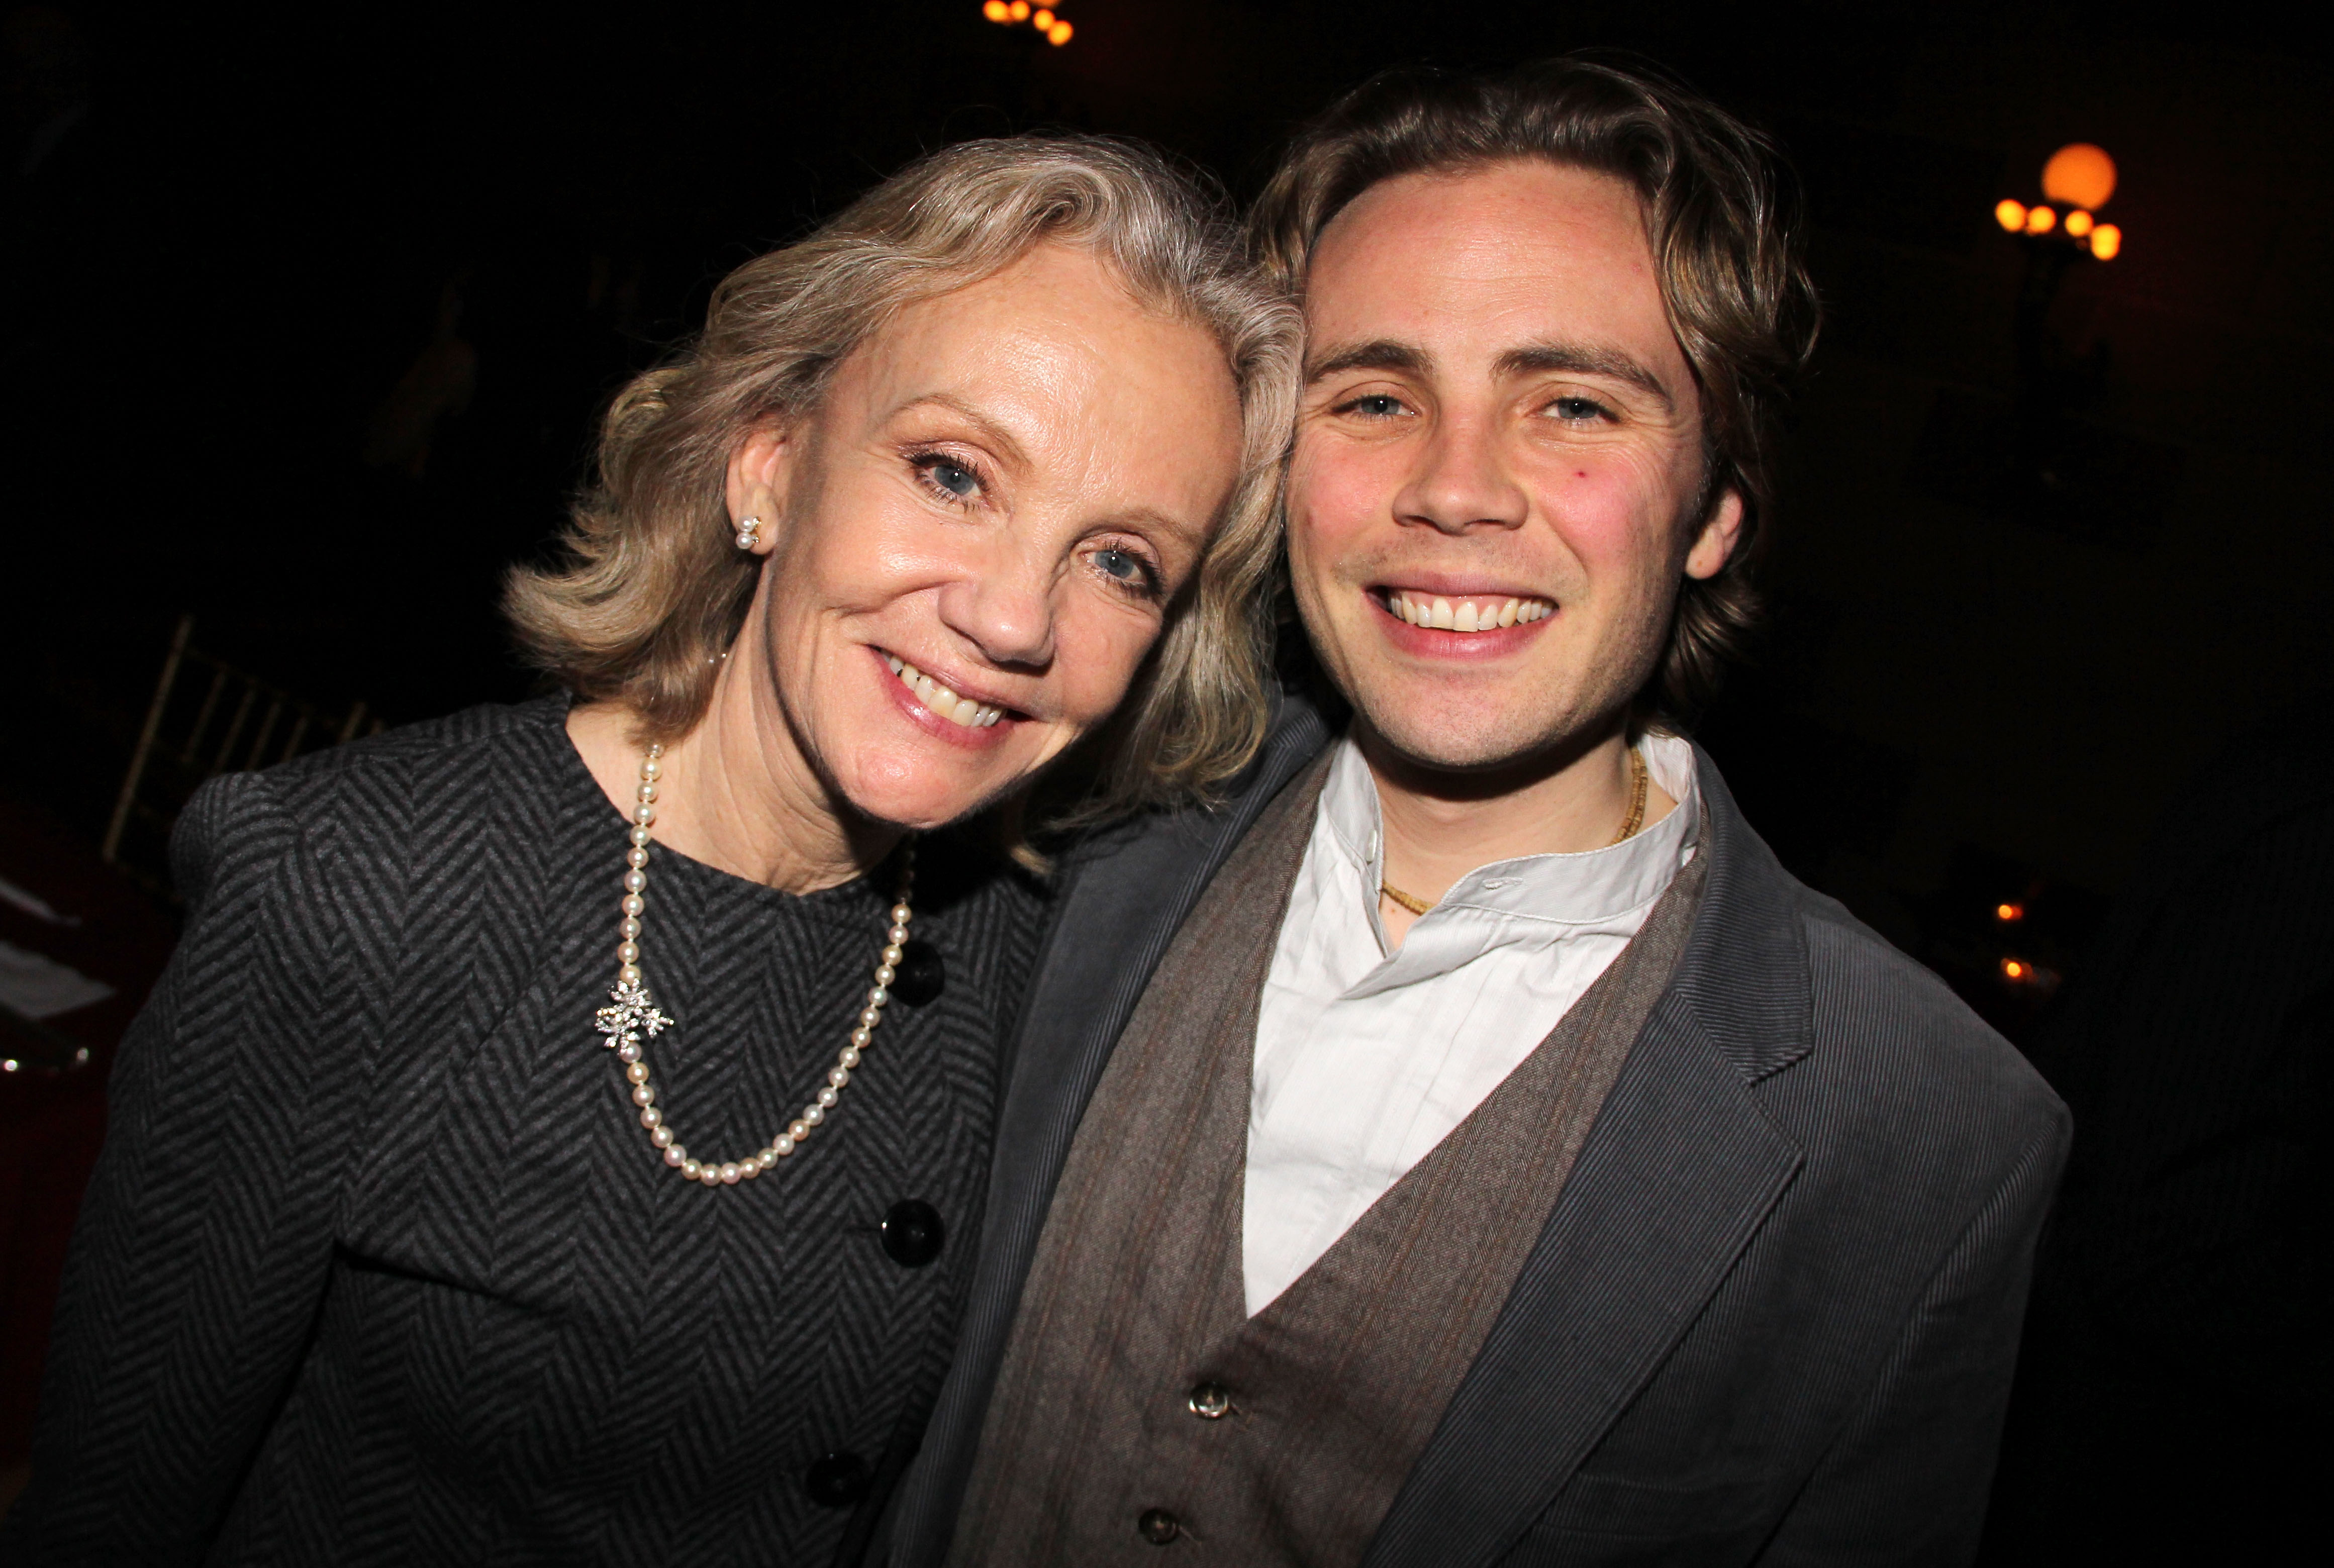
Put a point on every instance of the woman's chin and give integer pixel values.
(920, 798)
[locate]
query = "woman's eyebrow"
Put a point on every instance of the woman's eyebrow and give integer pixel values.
(992, 434)
(1581, 360)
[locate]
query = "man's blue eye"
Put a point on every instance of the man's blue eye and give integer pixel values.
(1377, 407)
(1577, 408)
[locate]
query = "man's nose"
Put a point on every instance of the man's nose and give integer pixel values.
(1460, 483)
(1003, 604)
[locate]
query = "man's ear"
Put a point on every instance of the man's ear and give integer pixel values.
(761, 467)
(1714, 545)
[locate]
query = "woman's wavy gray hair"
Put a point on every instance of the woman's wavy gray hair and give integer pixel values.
(652, 590)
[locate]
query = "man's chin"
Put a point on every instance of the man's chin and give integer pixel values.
(1459, 745)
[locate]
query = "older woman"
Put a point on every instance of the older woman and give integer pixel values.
(559, 1136)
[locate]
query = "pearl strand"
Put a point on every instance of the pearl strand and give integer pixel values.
(633, 1017)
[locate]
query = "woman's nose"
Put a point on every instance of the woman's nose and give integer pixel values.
(1004, 606)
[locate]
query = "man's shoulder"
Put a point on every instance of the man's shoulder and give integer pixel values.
(1903, 1054)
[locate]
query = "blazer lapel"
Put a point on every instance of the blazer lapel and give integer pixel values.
(1679, 1170)
(1119, 910)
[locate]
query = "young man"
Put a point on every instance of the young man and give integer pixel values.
(1471, 1146)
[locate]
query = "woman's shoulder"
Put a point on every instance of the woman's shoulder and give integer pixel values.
(385, 796)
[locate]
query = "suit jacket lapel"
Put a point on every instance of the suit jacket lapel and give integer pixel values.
(1678, 1171)
(1119, 910)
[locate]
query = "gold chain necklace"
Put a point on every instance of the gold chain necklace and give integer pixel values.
(633, 1018)
(1629, 826)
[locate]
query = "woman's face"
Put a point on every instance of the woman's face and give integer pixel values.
(974, 541)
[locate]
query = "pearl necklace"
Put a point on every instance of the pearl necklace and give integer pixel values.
(634, 1016)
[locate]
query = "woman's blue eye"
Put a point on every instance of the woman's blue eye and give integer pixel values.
(1121, 564)
(954, 477)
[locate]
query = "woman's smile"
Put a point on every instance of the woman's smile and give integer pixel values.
(936, 709)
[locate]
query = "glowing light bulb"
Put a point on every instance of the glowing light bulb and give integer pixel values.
(997, 11)
(2012, 969)
(1018, 10)
(2078, 223)
(2011, 214)
(1058, 34)
(2040, 219)
(2079, 175)
(2010, 911)
(2106, 241)
(1043, 21)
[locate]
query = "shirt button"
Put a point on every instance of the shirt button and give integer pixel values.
(1158, 1526)
(836, 1480)
(1211, 1401)
(1495, 884)
(912, 1233)
(921, 976)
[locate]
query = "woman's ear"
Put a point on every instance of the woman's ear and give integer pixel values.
(761, 468)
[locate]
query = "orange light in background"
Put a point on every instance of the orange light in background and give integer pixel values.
(2007, 912)
(2078, 223)
(1018, 10)
(1058, 34)
(2015, 969)
(997, 11)
(2079, 175)
(1043, 21)
(2106, 241)
(2040, 219)
(2011, 214)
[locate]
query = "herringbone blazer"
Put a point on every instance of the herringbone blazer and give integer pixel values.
(378, 1265)
(1772, 1316)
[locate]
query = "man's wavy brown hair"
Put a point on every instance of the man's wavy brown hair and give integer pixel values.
(1722, 212)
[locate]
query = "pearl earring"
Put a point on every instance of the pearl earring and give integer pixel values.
(750, 532)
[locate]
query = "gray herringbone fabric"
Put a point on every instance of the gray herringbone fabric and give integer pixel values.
(1136, 1297)
(378, 1265)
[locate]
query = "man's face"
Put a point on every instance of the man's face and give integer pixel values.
(1497, 455)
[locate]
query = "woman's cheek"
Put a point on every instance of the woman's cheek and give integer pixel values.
(1097, 652)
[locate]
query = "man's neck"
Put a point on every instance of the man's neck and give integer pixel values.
(1441, 825)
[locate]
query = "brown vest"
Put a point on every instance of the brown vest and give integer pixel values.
(1138, 1405)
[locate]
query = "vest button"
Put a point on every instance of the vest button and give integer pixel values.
(912, 1233)
(1158, 1526)
(1211, 1401)
(836, 1480)
(920, 976)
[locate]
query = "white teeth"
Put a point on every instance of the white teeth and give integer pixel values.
(947, 703)
(1468, 614)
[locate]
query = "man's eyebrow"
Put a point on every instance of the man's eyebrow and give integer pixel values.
(1384, 354)
(1537, 358)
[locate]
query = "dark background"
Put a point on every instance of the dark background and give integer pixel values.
(262, 226)
(306, 317)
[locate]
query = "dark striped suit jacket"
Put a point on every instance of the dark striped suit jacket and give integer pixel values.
(1771, 1318)
(379, 1266)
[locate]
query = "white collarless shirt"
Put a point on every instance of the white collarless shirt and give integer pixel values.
(1364, 1061)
